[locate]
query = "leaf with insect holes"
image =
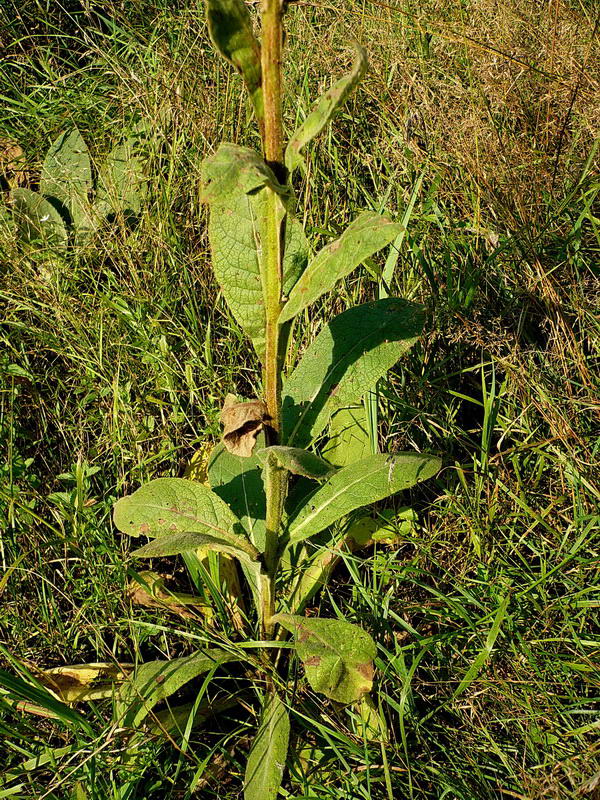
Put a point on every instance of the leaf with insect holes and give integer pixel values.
(157, 680)
(37, 220)
(67, 176)
(298, 462)
(266, 760)
(234, 183)
(337, 655)
(363, 237)
(324, 109)
(347, 358)
(360, 484)
(182, 515)
(230, 30)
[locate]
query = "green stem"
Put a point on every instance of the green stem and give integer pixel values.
(272, 247)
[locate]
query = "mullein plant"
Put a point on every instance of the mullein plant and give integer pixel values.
(271, 502)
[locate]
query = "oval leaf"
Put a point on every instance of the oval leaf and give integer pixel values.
(298, 462)
(37, 219)
(67, 176)
(233, 182)
(230, 29)
(346, 359)
(172, 506)
(359, 484)
(363, 237)
(324, 109)
(157, 680)
(121, 180)
(337, 656)
(266, 760)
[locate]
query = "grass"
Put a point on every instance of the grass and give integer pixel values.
(114, 361)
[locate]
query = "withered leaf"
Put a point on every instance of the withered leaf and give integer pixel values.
(149, 590)
(242, 422)
(12, 163)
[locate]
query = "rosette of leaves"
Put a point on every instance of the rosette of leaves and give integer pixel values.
(71, 205)
(271, 496)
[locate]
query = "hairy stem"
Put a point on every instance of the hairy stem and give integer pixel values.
(272, 248)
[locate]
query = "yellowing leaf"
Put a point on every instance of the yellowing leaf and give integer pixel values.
(81, 682)
(337, 656)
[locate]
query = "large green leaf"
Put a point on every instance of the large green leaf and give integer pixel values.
(363, 237)
(298, 462)
(324, 109)
(67, 176)
(357, 485)
(173, 506)
(348, 440)
(37, 219)
(337, 656)
(230, 29)
(121, 181)
(235, 179)
(266, 760)
(238, 481)
(157, 680)
(349, 355)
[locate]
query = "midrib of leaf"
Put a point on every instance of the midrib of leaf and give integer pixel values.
(311, 399)
(231, 537)
(315, 513)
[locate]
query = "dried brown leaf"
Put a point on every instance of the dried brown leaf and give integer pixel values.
(242, 422)
(12, 163)
(149, 591)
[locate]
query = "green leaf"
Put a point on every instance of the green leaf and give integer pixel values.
(266, 760)
(176, 543)
(365, 236)
(121, 180)
(238, 481)
(234, 179)
(337, 656)
(157, 680)
(230, 30)
(67, 176)
(171, 506)
(324, 109)
(349, 355)
(298, 462)
(357, 485)
(348, 439)
(37, 219)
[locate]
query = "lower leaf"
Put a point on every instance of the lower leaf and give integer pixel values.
(266, 760)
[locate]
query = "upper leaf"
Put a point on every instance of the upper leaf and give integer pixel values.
(324, 109)
(266, 760)
(171, 506)
(298, 462)
(347, 358)
(230, 29)
(157, 680)
(337, 656)
(234, 179)
(67, 175)
(365, 236)
(357, 485)
(37, 219)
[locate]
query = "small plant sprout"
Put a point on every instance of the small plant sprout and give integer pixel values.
(271, 501)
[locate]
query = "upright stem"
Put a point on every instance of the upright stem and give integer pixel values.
(272, 248)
